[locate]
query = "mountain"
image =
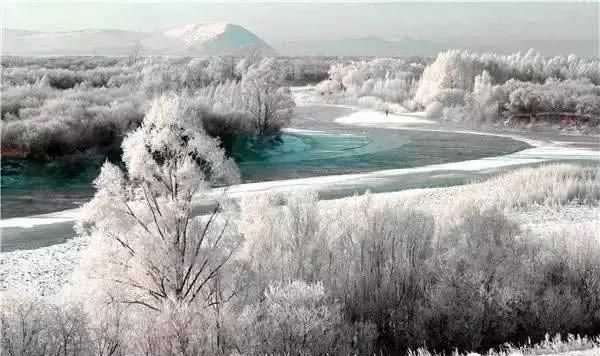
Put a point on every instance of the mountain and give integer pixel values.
(205, 38)
(367, 46)
(216, 38)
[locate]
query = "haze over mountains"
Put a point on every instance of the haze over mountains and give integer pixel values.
(215, 38)
(206, 38)
(366, 46)
(221, 38)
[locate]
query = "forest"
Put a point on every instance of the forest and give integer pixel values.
(476, 88)
(62, 106)
(65, 106)
(290, 274)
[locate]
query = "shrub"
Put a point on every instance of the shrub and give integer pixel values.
(294, 319)
(31, 326)
(472, 280)
(472, 300)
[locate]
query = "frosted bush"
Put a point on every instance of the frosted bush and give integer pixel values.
(327, 87)
(96, 102)
(434, 110)
(374, 84)
(36, 326)
(283, 237)
(453, 113)
(179, 330)
(556, 345)
(553, 185)
(296, 319)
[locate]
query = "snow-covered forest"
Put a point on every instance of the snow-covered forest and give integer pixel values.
(64, 106)
(476, 88)
(170, 265)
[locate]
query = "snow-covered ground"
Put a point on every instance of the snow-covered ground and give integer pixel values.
(380, 119)
(46, 270)
(591, 352)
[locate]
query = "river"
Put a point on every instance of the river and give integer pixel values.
(354, 158)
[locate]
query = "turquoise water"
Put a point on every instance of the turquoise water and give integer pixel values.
(33, 188)
(30, 188)
(307, 154)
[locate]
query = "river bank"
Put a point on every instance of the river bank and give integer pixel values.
(47, 270)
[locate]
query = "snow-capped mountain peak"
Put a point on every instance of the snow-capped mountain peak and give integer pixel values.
(201, 38)
(196, 33)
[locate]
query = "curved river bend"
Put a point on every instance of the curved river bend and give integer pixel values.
(315, 146)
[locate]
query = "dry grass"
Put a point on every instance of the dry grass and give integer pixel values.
(550, 346)
(552, 185)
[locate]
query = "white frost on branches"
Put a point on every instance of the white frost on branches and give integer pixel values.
(146, 248)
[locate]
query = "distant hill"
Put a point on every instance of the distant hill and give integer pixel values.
(212, 38)
(367, 46)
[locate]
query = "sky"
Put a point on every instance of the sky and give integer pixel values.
(465, 23)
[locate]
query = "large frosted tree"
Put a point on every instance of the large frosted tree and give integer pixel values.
(147, 249)
(446, 80)
(268, 103)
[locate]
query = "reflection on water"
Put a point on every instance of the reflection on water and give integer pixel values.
(30, 188)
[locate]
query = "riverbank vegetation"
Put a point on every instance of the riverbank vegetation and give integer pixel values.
(279, 274)
(516, 89)
(54, 107)
(57, 107)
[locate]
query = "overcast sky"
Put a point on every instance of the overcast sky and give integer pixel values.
(277, 22)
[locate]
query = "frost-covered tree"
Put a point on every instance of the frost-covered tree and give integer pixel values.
(268, 102)
(482, 104)
(256, 104)
(34, 326)
(382, 83)
(145, 242)
(249, 55)
(489, 87)
(446, 80)
(219, 69)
